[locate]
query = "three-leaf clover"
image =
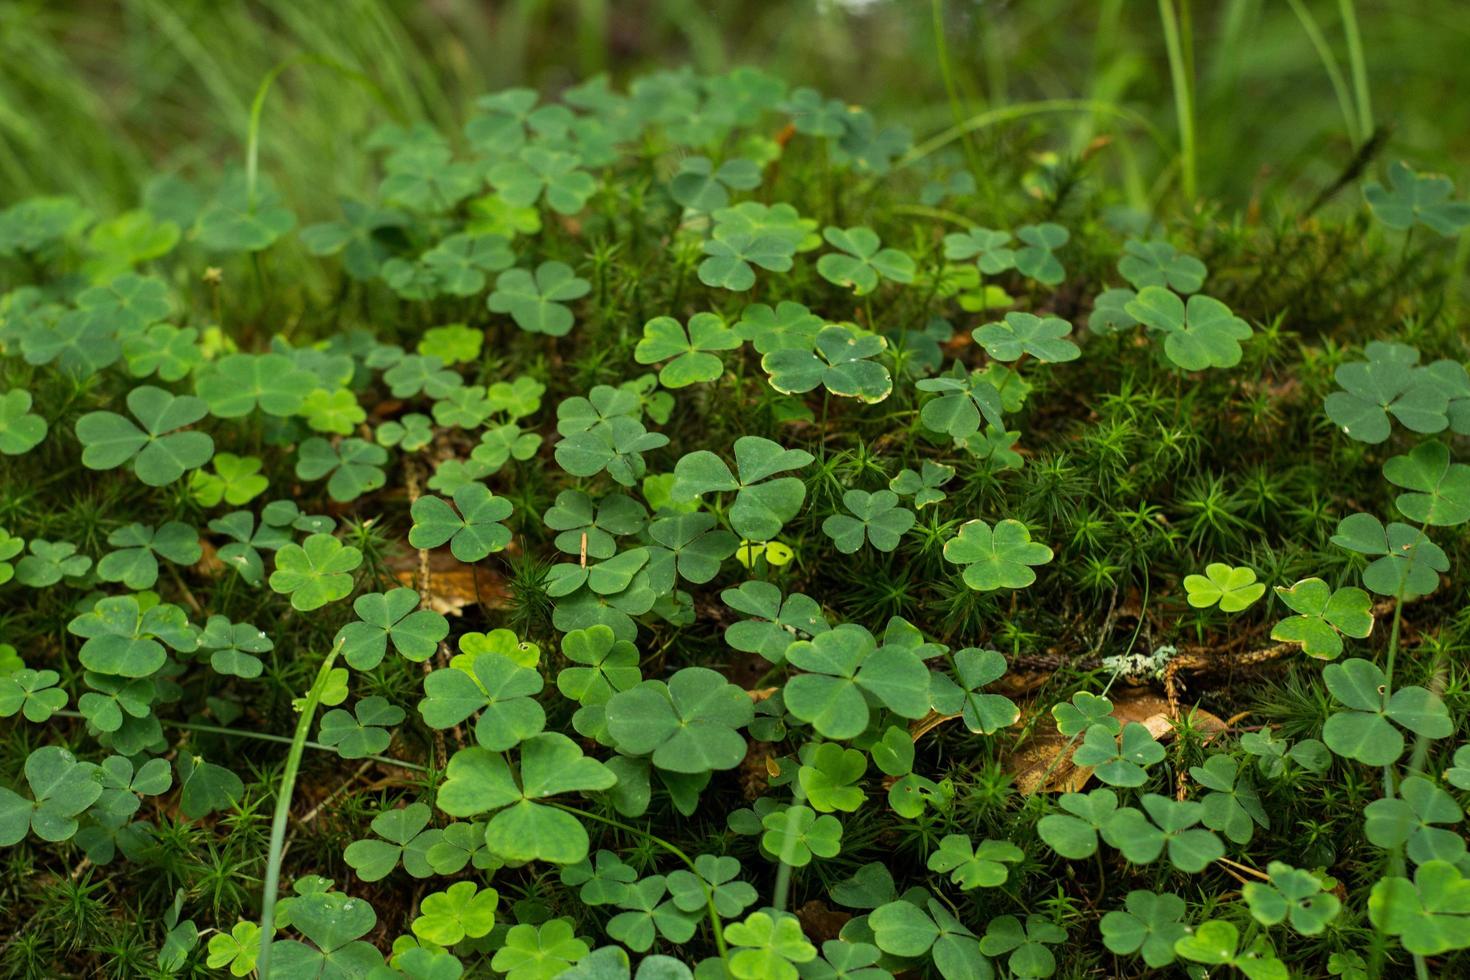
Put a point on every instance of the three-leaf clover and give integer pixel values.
(1440, 489)
(522, 180)
(362, 732)
(842, 363)
(237, 384)
(767, 948)
(1388, 383)
(538, 302)
(861, 260)
(1026, 943)
(315, 572)
(972, 867)
(463, 909)
(475, 532)
(1369, 730)
(923, 485)
(996, 558)
(1324, 616)
(762, 504)
(1202, 334)
(876, 518)
(1233, 588)
(690, 347)
(730, 255)
(688, 725)
(702, 186)
(1418, 817)
(990, 249)
(1417, 199)
(503, 690)
(1044, 339)
(159, 452)
(1120, 761)
(1035, 259)
(796, 834)
(1406, 563)
(1159, 263)
(135, 563)
(843, 666)
(1148, 924)
(965, 397)
(61, 788)
(20, 431)
(395, 615)
(1430, 915)
(1293, 896)
(524, 828)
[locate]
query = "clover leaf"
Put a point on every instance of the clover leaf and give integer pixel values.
(989, 248)
(762, 505)
(796, 834)
(1234, 589)
(1148, 925)
(982, 713)
(1407, 563)
(1218, 942)
(1026, 944)
(774, 621)
(1387, 383)
(233, 647)
(1170, 824)
(1232, 805)
(243, 551)
(335, 924)
(842, 364)
(647, 912)
(689, 347)
(996, 558)
(1441, 488)
(1324, 617)
(127, 640)
(236, 480)
(135, 564)
(461, 910)
(1416, 199)
(523, 828)
(877, 519)
(903, 928)
(160, 454)
(1430, 915)
(537, 952)
(768, 948)
(606, 881)
(730, 255)
(924, 485)
(61, 788)
(828, 777)
(171, 352)
(364, 731)
(48, 562)
(1291, 895)
(20, 432)
(315, 572)
(1202, 334)
(1122, 761)
(1035, 260)
(536, 171)
(494, 684)
(1021, 334)
(237, 384)
(1159, 263)
(395, 615)
(1367, 731)
(861, 260)
(701, 186)
(31, 692)
(972, 867)
(845, 665)
(537, 302)
(689, 725)
(965, 397)
(474, 533)
(788, 326)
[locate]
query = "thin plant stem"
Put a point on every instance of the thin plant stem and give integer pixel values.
(283, 811)
(1183, 98)
(1357, 65)
(1334, 72)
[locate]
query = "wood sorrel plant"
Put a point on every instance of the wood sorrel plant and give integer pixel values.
(732, 573)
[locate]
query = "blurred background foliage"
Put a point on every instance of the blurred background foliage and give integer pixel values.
(96, 95)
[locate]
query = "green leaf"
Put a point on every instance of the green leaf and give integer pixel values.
(1430, 915)
(689, 725)
(1293, 896)
(395, 615)
(863, 260)
(237, 384)
(1200, 335)
(767, 948)
(160, 454)
(1406, 562)
(689, 347)
(1324, 617)
(843, 666)
(1035, 260)
(877, 519)
(998, 558)
(316, 572)
(474, 533)
(1388, 383)
(504, 689)
(20, 432)
(461, 910)
(1233, 588)
(730, 256)
(972, 867)
(1159, 263)
(1442, 488)
(1023, 334)
(1416, 199)
(135, 564)
(538, 303)
(762, 505)
(1363, 732)
(796, 834)
(1147, 925)
(842, 364)
(790, 326)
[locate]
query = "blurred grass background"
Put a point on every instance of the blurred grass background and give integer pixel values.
(95, 96)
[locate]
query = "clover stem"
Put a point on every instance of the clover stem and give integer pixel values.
(190, 726)
(783, 873)
(1388, 664)
(1183, 97)
(714, 915)
(283, 810)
